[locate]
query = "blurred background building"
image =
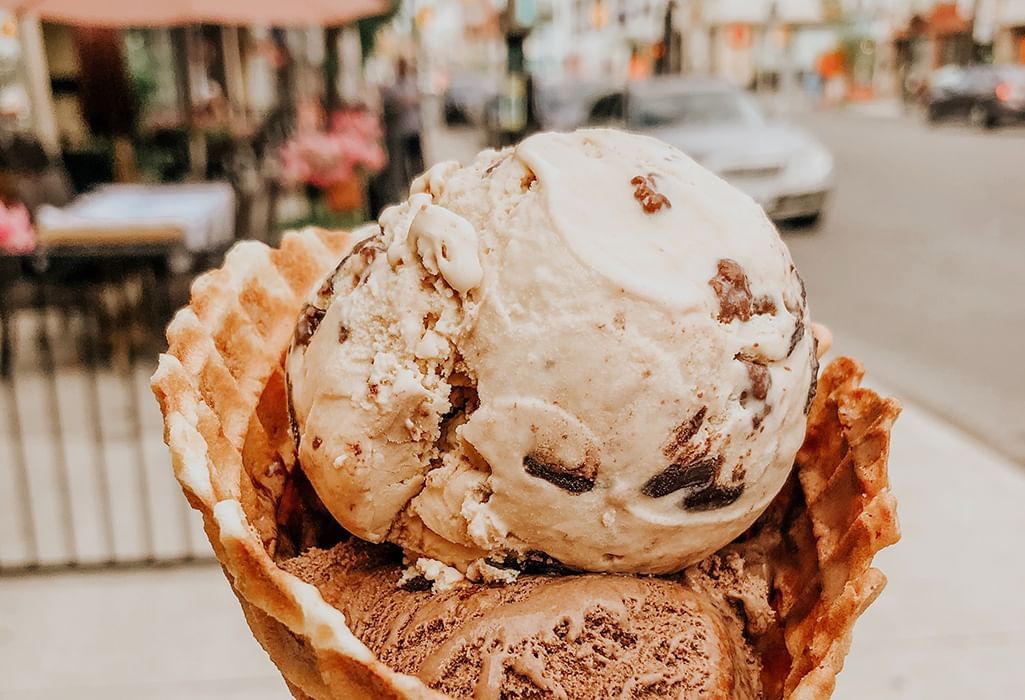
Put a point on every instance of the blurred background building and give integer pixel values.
(231, 79)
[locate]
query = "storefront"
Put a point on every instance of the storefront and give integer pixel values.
(1009, 43)
(1000, 27)
(938, 38)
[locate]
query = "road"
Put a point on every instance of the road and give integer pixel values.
(918, 267)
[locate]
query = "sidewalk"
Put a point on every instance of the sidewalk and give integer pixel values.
(884, 108)
(84, 472)
(951, 623)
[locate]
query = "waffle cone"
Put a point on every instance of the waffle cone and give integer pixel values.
(221, 388)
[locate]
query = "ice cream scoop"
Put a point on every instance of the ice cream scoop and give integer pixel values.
(586, 352)
(590, 636)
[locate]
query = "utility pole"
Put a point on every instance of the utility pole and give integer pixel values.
(515, 102)
(40, 92)
(666, 61)
(332, 68)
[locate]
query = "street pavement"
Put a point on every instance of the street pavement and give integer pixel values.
(918, 266)
(913, 269)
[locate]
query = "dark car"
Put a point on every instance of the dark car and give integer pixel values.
(467, 97)
(984, 94)
(563, 105)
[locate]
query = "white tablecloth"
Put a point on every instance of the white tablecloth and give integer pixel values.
(205, 212)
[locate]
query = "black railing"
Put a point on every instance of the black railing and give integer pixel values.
(85, 479)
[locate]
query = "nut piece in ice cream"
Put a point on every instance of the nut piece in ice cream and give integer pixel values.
(585, 352)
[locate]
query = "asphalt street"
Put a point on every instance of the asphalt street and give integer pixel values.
(919, 266)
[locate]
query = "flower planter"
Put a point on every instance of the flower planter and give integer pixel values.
(346, 196)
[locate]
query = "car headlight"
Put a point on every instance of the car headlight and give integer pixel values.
(812, 162)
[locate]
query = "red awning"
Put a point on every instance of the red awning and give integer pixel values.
(943, 20)
(142, 13)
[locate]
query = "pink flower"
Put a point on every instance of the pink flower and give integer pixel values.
(16, 234)
(326, 158)
(359, 122)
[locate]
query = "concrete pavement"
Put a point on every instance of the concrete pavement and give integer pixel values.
(950, 624)
(920, 258)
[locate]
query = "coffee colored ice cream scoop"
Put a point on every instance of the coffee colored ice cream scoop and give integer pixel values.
(586, 350)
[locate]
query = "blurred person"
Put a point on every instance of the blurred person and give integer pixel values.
(29, 175)
(403, 126)
(109, 103)
(639, 67)
(811, 83)
(830, 68)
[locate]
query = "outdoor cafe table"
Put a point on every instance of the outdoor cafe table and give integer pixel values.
(201, 216)
(113, 232)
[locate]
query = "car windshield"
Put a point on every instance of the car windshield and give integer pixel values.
(947, 77)
(558, 100)
(692, 108)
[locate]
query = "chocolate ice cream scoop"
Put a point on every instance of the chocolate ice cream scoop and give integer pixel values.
(587, 636)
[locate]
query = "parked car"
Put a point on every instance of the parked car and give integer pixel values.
(562, 105)
(986, 95)
(782, 167)
(556, 106)
(466, 100)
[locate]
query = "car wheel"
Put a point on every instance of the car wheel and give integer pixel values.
(455, 115)
(980, 117)
(807, 221)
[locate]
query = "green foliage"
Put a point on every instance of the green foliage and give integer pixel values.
(143, 70)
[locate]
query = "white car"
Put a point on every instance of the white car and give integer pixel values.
(782, 167)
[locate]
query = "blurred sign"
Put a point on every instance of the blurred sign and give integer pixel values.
(512, 104)
(524, 12)
(832, 10)
(423, 18)
(521, 16)
(739, 36)
(10, 46)
(984, 27)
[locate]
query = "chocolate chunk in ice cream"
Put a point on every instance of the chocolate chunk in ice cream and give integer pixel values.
(680, 476)
(309, 322)
(650, 199)
(713, 497)
(567, 480)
